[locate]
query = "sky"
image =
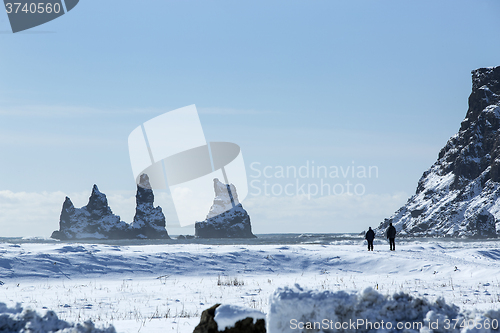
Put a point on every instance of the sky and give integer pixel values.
(340, 84)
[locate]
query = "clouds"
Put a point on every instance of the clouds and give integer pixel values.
(29, 214)
(327, 214)
(48, 111)
(230, 111)
(58, 111)
(51, 140)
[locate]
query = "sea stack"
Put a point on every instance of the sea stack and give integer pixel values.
(97, 221)
(93, 221)
(149, 221)
(227, 218)
(459, 195)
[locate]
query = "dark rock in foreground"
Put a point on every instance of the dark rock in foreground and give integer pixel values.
(97, 221)
(459, 195)
(209, 325)
(227, 218)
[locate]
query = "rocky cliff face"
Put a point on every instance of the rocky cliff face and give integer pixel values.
(459, 195)
(225, 199)
(227, 218)
(97, 221)
(149, 221)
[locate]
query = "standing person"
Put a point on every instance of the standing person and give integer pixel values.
(391, 234)
(370, 235)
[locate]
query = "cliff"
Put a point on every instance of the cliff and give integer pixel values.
(458, 196)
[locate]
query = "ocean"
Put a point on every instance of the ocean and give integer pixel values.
(262, 239)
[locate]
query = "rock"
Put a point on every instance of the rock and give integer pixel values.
(227, 218)
(481, 224)
(209, 325)
(149, 221)
(97, 221)
(247, 326)
(225, 198)
(459, 195)
(185, 237)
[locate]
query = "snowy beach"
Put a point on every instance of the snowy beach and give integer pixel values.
(142, 287)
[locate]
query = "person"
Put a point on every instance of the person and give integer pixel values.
(391, 234)
(369, 236)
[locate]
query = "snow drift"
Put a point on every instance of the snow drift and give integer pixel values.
(21, 320)
(298, 310)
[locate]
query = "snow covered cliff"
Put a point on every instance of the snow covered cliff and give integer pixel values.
(227, 218)
(149, 221)
(97, 221)
(459, 195)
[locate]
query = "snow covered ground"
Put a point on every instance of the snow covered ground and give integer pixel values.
(165, 287)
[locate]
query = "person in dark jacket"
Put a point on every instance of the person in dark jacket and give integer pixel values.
(369, 236)
(391, 234)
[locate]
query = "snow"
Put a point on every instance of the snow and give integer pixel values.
(439, 183)
(222, 200)
(368, 311)
(493, 109)
(233, 223)
(226, 315)
(165, 286)
(26, 320)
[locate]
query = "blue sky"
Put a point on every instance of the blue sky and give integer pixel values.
(381, 83)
